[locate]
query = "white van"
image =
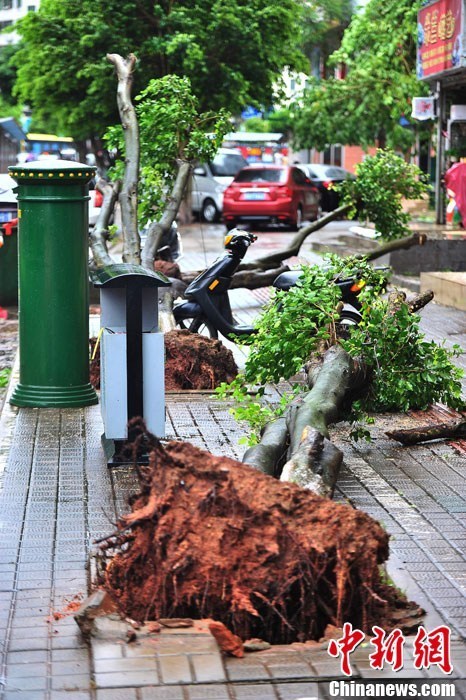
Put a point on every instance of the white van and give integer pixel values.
(210, 181)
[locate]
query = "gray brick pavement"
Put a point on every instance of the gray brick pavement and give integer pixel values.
(57, 496)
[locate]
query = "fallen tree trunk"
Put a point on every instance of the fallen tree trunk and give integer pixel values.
(263, 271)
(313, 462)
(424, 433)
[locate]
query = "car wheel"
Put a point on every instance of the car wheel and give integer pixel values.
(298, 222)
(209, 211)
(198, 325)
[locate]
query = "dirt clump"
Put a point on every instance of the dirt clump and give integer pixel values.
(170, 269)
(209, 537)
(193, 361)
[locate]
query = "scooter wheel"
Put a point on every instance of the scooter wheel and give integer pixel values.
(198, 325)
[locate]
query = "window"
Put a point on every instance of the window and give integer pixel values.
(299, 177)
(262, 175)
(5, 24)
(6, 4)
(227, 165)
(31, 8)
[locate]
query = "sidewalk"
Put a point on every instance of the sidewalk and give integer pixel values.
(57, 496)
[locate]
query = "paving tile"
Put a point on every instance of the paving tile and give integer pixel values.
(72, 695)
(115, 694)
(22, 670)
(118, 665)
(69, 682)
(175, 669)
(25, 695)
(125, 679)
(160, 693)
(293, 691)
(208, 668)
(70, 655)
(26, 684)
(208, 692)
(27, 657)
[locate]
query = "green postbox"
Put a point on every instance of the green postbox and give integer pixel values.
(53, 284)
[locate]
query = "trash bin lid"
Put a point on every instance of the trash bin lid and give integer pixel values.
(127, 275)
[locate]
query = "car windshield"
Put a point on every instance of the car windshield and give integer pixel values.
(227, 165)
(262, 175)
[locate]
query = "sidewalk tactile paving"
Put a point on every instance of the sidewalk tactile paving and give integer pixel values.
(57, 495)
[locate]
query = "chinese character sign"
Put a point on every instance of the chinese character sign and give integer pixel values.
(429, 648)
(439, 38)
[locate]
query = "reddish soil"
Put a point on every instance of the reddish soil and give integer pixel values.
(191, 362)
(211, 537)
(170, 269)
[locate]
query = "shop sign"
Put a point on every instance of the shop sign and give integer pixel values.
(440, 31)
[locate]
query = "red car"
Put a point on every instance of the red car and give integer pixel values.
(272, 194)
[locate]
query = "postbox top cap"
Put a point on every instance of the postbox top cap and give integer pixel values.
(64, 170)
(127, 275)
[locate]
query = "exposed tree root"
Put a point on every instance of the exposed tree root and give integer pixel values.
(211, 537)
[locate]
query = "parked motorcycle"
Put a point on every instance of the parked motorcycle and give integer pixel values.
(207, 308)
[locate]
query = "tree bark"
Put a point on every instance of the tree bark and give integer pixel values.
(275, 259)
(158, 228)
(268, 453)
(129, 190)
(424, 433)
(400, 244)
(97, 240)
(263, 271)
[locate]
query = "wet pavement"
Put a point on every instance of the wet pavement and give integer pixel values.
(57, 496)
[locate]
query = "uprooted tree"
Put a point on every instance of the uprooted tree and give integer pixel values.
(208, 537)
(383, 363)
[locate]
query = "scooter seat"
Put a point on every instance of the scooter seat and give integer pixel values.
(287, 280)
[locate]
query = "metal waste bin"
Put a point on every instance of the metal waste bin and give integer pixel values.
(132, 364)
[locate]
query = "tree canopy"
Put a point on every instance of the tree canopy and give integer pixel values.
(232, 51)
(378, 52)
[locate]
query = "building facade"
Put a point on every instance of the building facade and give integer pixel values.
(10, 12)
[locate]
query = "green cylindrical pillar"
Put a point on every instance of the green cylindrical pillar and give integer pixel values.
(53, 284)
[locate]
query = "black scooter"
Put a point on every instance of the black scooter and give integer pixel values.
(207, 307)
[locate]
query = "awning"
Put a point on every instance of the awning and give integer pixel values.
(12, 128)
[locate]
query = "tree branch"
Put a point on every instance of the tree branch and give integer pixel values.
(129, 191)
(97, 240)
(158, 228)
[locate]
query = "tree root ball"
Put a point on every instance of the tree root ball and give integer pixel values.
(193, 361)
(209, 537)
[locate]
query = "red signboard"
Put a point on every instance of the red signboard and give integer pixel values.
(439, 38)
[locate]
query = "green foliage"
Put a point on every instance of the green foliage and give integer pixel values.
(7, 73)
(383, 180)
(407, 371)
(378, 51)
(171, 128)
(232, 51)
(292, 327)
(278, 121)
(4, 377)
(323, 27)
